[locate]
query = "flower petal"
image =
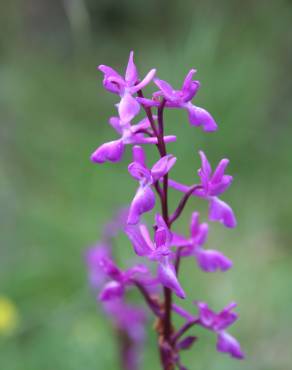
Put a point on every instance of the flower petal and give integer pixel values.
(144, 82)
(207, 316)
(111, 290)
(206, 168)
(139, 139)
(112, 81)
(211, 260)
(167, 276)
(222, 212)
(116, 124)
(189, 87)
(220, 187)
(228, 344)
(178, 186)
(166, 89)
(141, 244)
(111, 151)
(216, 321)
(128, 108)
(200, 117)
(131, 75)
(142, 125)
(139, 172)
(162, 167)
(139, 155)
(93, 257)
(143, 202)
(220, 169)
(160, 223)
(178, 240)
(148, 102)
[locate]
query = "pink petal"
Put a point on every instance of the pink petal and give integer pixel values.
(128, 108)
(178, 186)
(162, 166)
(222, 212)
(139, 172)
(200, 117)
(131, 75)
(116, 124)
(136, 234)
(220, 169)
(167, 276)
(148, 102)
(144, 201)
(144, 82)
(112, 81)
(142, 125)
(211, 260)
(139, 155)
(190, 87)
(166, 89)
(205, 166)
(111, 151)
(178, 240)
(228, 344)
(220, 187)
(111, 290)
(140, 139)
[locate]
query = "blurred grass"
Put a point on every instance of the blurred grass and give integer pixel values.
(54, 201)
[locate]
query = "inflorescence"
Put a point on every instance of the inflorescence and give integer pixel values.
(163, 247)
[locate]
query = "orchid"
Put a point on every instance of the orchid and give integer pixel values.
(218, 323)
(126, 86)
(130, 134)
(115, 288)
(182, 99)
(157, 250)
(144, 200)
(211, 186)
(165, 248)
(209, 260)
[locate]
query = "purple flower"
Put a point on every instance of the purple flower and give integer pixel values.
(130, 134)
(218, 322)
(93, 256)
(228, 344)
(182, 99)
(144, 200)
(125, 87)
(157, 250)
(212, 185)
(209, 260)
(119, 279)
(116, 224)
(216, 183)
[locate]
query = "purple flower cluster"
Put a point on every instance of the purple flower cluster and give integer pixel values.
(163, 248)
(110, 284)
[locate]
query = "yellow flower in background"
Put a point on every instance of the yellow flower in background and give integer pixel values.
(9, 317)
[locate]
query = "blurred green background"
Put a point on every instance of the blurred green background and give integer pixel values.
(54, 201)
